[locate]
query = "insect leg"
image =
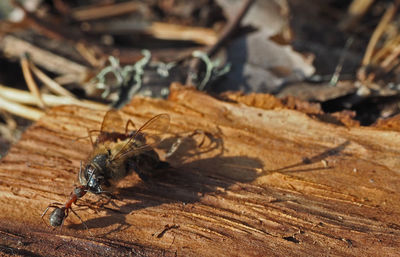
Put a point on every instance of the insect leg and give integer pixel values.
(105, 198)
(80, 172)
(89, 135)
(127, 125)
(65, 217)
(87, 205)
(76, 214)
(52, 205)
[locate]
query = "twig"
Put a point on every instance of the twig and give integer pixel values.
(97, 12)
(336, 74)
(167, 31)
(8, 118)
(50, 83)
(51, 31)
(387, 63)
(394, 67)
(20, 110)
(88, 54)
(30, 81)
(24, 97)
(61, 7)
(356, 10)
(66, 79)
(38, 25)
(230, 27)
(16, 47)
(385, 50)
(386, 18)
(226, 33)
(159, 30)
(9, 130)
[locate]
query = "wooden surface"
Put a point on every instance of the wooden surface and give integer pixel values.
(263, 183)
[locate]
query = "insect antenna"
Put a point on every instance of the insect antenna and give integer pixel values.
(88, 136)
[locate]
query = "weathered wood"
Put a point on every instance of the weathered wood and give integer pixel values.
(263, 182)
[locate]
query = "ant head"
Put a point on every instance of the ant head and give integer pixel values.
(57, 217)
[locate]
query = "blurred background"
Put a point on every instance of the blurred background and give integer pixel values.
(333, 55)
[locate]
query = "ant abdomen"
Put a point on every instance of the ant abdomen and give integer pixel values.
(57, 217)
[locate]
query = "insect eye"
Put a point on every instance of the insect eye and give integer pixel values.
(89, 171)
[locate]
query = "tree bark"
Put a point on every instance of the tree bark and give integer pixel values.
(244, 181)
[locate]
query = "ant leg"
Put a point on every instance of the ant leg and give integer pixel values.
(127, 124)
(76, 214)
(65, 217)
(52, 205)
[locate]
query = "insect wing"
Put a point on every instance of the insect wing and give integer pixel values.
(112, 122)
(154, 129)
(112, 128)
(148, 136)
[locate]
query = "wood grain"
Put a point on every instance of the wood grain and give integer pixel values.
(262, 183)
